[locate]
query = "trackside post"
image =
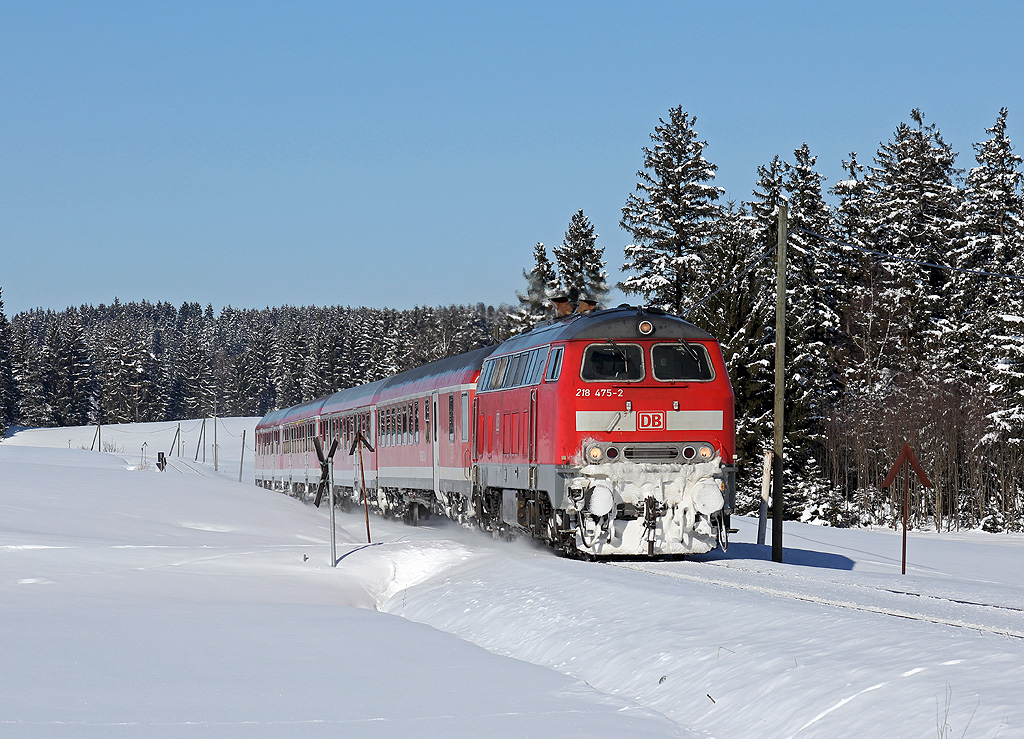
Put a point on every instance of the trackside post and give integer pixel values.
(906, 458)
(357, 446)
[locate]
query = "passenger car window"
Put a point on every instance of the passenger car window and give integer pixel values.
(688, 362)
(613, 362)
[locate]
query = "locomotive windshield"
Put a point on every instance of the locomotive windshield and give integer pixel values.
(613, 362)
(682, 361)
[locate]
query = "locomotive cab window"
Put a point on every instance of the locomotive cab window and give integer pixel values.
(613, 363)
(682, 362)
(554, 364)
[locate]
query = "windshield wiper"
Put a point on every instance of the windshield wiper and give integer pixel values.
(690, 350)
(618, 350)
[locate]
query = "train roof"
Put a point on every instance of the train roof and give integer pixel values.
(442, 373)
(614, 323)
(352, 397)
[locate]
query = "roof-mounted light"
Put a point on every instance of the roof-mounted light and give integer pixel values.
(646, 328)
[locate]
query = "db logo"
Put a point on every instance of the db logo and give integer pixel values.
(650, 421)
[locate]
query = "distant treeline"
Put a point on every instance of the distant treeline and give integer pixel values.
(152, 362)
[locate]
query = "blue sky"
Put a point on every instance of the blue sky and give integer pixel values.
(394, 154)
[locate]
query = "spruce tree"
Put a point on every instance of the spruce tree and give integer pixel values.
(672, 217)
(33, 409)
(8, 391)
(812, 330)
(581, 272)
(540, 281)
(914, 205)
(991, 333)
(67, 369)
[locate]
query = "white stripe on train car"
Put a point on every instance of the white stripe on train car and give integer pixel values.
(608, 421)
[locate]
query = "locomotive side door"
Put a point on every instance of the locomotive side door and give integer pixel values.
(435, 447)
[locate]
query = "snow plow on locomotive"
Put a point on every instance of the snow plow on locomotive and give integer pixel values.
(606, 433)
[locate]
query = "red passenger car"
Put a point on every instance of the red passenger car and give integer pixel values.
(606, 433)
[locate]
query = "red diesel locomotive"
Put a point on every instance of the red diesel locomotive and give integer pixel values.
(602, 433)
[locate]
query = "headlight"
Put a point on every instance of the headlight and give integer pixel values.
(706, 451)
(594, 454)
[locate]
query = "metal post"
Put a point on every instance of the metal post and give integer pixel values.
(366, 499)
(766, 486)
(215, 455)
(778, 496)
(334, 544)
(906, 512)
(242, 458)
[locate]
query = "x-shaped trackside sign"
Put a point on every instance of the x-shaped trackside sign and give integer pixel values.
(325, 468)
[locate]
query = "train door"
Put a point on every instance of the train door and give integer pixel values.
(532, 425)
(435, 447)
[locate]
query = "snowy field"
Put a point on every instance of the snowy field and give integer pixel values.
(184, 604)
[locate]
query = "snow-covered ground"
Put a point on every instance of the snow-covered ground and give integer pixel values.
(182, 603)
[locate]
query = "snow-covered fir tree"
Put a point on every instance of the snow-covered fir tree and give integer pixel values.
(32, 408)
(67, 373)
(812, 327)
(990, 338)
(8, 390)
(290, 360)
(671, 216)
(581, 271)
(913, 210)
(533, 304)
(993, 241)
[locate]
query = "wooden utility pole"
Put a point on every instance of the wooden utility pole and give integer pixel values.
(176, 441)
(202, 442)
(780, 384)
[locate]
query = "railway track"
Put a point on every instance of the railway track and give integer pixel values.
(990, 618)
(183, 467)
